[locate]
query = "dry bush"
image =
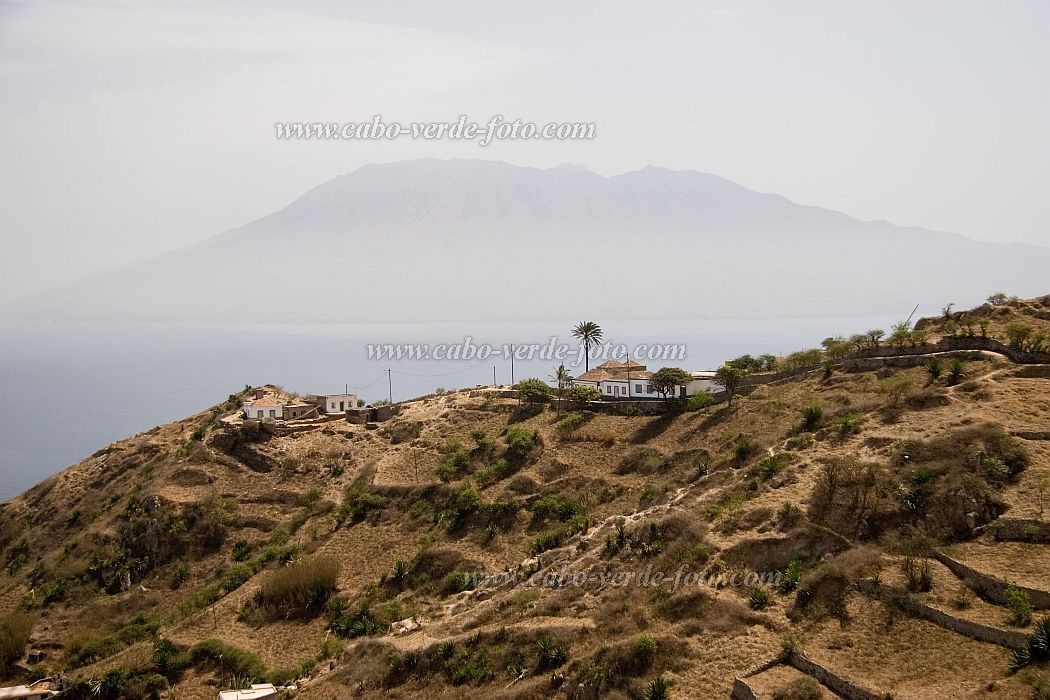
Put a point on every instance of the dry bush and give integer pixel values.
(14, 635)
(302, 587)
(823, 591)
(641, 460)
(852, 497)
(402, 431)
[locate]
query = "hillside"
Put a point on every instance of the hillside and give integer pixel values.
(211, 550)
(445, 240)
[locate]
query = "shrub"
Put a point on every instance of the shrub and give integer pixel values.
(547, 540)
(657, 689)
(358, 502)
(554, 506)
(849, 424)
(180, 576)
(358, 621)
(742, 447)
(811, 416)
(461, 504)
(484, 444)
(521, 442)
(699, 401)
(789, 515)
(459, 581)
(995, 469)
(302, 587)
(242, 551)
(827, 368)
(769, 467)
(308, 497)
(758, 598)
(168, 659)
(533, 391)
(934, 368)
(572, 422)
(455, 466)
(800, 441)
(580, 396)
(792, 577)
(14, 635)
(1036, 650)
(956, 371)
(896, 389)
(235, 661)
(641, 460)
(1019, 604)
(551, 654)
(918, 574)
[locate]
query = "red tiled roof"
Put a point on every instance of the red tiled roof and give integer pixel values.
(266, 401)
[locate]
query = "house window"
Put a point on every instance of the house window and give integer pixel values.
(638, 388)
(340, 405)
(273, 413)
(608, 390)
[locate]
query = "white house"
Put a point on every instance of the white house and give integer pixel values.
(703, 381)
(337, 403)
(619, 380)
(631, 380)
(256, 692)
(268, 406)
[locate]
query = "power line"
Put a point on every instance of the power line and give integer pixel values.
(443, 374)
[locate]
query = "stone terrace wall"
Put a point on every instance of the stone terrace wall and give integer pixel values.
(838, 684)
(742, 691)
(1020, 530)
(967, 628)
(990, 587)
(961, 342)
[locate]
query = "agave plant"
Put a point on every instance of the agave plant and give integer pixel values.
(658, 689)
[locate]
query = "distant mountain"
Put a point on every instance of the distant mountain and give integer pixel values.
(453, 240)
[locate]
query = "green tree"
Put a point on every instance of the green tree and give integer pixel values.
(579, 396)
(666, 380)
(900, 334)
(589, 333)
(533, 391)
(998, 298)
(731, 377)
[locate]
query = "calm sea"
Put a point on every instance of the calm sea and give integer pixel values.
(69, 389)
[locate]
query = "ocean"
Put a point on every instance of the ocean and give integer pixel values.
(68, 389)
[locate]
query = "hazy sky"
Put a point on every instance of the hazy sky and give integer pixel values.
(129, 128)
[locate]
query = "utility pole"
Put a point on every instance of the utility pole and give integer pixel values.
(628, 376)
(512, 365)
(493, 375)
(390, 385)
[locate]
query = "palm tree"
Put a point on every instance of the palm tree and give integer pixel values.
(589, 333)
(563, 378)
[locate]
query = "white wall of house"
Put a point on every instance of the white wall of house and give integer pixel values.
(703, 384)
(263, 411)
(337, 403)
(633, 389)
